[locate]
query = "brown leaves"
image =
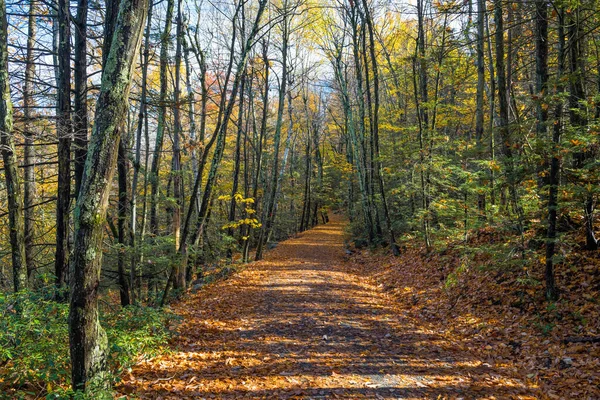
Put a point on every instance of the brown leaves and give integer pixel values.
(303, 324)
(501, 320)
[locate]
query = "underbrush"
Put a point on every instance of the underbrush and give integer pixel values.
(34, 343)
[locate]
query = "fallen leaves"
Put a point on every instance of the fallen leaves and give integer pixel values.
(306, 323)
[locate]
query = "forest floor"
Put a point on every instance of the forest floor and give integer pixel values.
(306, 324)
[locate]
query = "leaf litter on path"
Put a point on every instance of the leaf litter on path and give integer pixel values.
(301, 324)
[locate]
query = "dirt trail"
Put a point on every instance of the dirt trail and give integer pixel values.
(301, 325)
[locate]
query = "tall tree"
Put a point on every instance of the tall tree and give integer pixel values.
(269, 209)
(165, 41)
(553, 176)
(479, 120)
(29, 190)
(375, 129)
(578, 117)
(88, 342)
(80, 116)
(64, 131)
(137, 164)
(11, 175)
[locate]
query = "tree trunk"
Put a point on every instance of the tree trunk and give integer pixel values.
(503, 126)
(80, 116)
(88, 342)
(479, 109)
(177, 177)
(29, 151)
(123, 220)
(64, 133)
(142, 117)
(375, 131)
(554, 176)
(261, 137)
(11, 175)
(236, 165)
(270, 198)
(578, 118)
(162, 116)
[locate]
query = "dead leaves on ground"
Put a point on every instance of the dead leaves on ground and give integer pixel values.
(502, 317)
(304, 323)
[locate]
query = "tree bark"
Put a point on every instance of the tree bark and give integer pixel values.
(29, 160)
(270, 198)
(177, 177)
(162, 116)
(479, 109)
(88, 342)
(375, 131)
(11, 174)
(80, 117)
(64, 133)
(554, 176)
(136, 238)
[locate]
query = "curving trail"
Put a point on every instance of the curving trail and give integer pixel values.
(301, 325)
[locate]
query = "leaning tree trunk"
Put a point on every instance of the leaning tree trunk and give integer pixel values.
(11, 175)
(88, 341)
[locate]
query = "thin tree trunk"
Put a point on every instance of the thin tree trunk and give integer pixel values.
(64, 133)
(80, 117)
(123, 220)
(162, 116)
(554, 176)
(578, 117)
(11, 175)
(479, 109)
(177, 177)
(261, 137)
(137, 240)
(219, 138)
(236, 164)
(29, 159)
(271, 197)
(375, 131)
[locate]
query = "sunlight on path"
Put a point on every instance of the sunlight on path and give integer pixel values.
(300, 325)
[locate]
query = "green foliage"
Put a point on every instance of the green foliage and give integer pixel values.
(34, 343)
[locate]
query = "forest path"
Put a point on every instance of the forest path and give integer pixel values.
(301, 324)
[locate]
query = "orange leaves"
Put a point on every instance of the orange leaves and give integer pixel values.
(308, 323)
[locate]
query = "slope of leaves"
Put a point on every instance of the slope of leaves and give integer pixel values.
(495, 309)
